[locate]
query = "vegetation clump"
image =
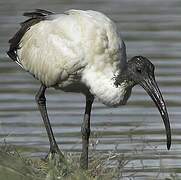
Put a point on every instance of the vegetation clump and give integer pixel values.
(15, 165)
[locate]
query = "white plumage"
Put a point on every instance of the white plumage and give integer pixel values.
(79, 48)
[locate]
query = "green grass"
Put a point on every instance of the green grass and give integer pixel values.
(16, 166)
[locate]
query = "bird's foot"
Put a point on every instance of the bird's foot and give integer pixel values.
(55, 153)
(57, 163)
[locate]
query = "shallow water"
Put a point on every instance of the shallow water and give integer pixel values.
(150, 28)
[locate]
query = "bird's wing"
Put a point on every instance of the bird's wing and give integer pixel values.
(47, 44)
(35, 17)
(49, 49)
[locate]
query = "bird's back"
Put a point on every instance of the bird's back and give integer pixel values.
(57, 46)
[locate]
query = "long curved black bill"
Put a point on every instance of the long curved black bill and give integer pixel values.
(152, 89)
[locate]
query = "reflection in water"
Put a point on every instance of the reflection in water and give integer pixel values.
(149, 28)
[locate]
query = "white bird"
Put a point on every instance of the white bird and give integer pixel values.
(82, 51)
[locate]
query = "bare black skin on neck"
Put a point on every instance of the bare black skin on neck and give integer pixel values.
(136, 70)
(140, 71)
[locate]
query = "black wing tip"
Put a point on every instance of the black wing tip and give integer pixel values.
(38, 13)
(12, 55)
(32, 14)
(34, 17)
(45, 11)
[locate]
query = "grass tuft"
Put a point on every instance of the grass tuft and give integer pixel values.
(14, 166)
(102, 166)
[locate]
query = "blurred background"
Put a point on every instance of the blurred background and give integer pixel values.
(150, 28)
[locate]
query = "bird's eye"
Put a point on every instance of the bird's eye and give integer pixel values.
(138, 70)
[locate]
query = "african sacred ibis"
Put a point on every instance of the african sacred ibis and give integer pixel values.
(81, 51)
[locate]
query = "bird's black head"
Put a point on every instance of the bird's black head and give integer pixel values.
(141, 71)
(138, 69)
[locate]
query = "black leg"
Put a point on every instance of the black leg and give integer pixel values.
(41, 101)
(85, 129)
